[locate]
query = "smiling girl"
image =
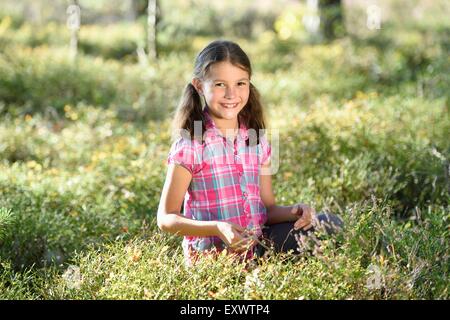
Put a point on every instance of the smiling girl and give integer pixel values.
(216, 166)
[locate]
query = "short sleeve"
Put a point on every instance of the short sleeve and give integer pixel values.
(182, 152)
(266, 150)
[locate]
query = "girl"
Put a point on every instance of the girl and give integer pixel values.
(216, 165)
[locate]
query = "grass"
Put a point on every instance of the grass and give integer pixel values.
(363, 133)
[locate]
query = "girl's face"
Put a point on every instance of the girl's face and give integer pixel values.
(226, 90)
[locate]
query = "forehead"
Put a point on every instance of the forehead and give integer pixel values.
(226, 71)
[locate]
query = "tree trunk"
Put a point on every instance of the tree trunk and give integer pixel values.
(332, 22)
(152, 21)
(73, 23)
(130, 14)
(32, 12)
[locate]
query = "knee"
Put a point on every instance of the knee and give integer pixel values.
(328, 222)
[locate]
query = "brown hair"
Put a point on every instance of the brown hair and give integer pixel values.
(190, 107)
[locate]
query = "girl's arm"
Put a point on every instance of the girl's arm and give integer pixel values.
(278, 214)
(169, 218)
(275, 213)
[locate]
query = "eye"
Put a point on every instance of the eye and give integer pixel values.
(242, 83)
(219, 84)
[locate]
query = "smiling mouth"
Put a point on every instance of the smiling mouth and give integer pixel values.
(229, 105)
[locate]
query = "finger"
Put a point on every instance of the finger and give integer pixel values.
(297, 224)
(307, 213)
(244, 247)
(246, 243)
(307, 227)
(240, 242)
(238, 228)
(250, 232)
(241, 248)
(301, 224)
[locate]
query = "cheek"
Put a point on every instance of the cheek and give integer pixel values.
(211, 95)
(245, 94)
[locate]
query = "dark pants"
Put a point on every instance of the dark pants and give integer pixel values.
(282, 237)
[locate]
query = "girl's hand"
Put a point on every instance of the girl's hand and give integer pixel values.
(234, 236)
(306, 216)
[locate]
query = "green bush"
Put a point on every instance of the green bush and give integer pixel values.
(87, 184)
(360, 149)
(113, 41)
(6, 220)
(40, 79)
(363, 131)
(43, 80)
(17, 285)
(372, 241)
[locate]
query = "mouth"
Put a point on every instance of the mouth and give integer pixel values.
(229, 105)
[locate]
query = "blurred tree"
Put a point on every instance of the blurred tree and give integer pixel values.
(73, 23)
(32, 11)
(136, 9)
(152, 21)
(311, 18)
(332, 24)
(130, 14)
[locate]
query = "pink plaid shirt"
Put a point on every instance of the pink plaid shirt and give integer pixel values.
(224, 185)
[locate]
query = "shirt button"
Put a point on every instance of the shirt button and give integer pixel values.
(244, 194)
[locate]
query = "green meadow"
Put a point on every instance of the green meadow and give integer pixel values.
(363, 127)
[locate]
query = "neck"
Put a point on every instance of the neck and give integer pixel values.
(227, 124)
(224, 125)
(228, 128)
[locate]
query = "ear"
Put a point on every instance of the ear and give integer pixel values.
(197, 85)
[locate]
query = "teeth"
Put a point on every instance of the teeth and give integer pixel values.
(228, 105)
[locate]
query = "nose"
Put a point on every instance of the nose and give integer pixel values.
(230, 92)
